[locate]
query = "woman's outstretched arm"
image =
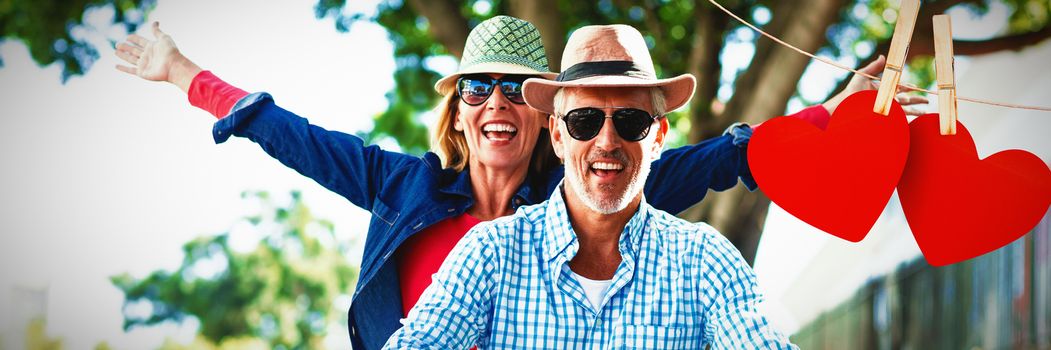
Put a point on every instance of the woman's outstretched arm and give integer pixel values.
(338, 161)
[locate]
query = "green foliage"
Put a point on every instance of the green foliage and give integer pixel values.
(49, 28)
(920, 72)
(280, 292)
(1029, 15)
(37, 338)
(230, 343)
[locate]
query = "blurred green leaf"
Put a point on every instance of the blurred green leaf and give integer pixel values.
(47, 28)
(280, 292)
(37, 338)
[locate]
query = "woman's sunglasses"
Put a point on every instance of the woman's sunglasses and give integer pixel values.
(474, 89)
(632, 124)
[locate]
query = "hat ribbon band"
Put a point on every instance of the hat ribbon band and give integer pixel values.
(596, 68)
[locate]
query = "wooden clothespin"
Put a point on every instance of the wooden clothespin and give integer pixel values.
(899, 47)
(944, 64)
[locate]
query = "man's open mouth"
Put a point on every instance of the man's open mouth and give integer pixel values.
(604, 169)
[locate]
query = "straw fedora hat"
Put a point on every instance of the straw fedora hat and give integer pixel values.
(501, 44)
(607, 56)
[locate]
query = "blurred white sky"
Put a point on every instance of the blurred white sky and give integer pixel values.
(110, 174)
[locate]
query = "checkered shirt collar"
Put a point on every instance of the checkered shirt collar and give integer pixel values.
(560, 239)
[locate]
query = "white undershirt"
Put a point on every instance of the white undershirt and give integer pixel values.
(593, 289)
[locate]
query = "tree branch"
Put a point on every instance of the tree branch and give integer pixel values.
(922, 43)
(982, 47)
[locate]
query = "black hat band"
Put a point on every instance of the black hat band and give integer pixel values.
(596, 68)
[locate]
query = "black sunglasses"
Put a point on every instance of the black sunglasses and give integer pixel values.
(474, 89)
(632, 124)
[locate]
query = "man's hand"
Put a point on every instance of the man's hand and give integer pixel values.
(158, 60)
(910, 103)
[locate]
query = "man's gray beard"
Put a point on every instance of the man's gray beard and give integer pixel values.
(610, 206)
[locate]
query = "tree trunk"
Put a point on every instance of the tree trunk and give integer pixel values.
(446, 24)
(762, 92)
(764, 89)
(545, 16)
(704, 64)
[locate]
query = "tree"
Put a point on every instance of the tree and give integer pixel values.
(685, 36)
(279, 292)
(52, 29)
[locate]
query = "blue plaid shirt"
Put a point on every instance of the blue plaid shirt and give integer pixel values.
(507, 285)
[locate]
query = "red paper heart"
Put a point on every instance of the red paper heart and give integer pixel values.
(839, 179)
(960, 207)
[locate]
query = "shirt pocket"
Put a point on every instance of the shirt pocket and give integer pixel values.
(657, 337)
(383, 218)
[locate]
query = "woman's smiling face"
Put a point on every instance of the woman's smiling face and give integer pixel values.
(500, 134)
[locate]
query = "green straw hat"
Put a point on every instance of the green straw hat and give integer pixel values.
(501, 44)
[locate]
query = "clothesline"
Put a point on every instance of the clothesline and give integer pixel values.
(840, 66)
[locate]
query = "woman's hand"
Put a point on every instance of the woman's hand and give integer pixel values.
(910, 103)
(157, 60)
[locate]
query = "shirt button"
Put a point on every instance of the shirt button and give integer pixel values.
(452, 210)
(518, 201)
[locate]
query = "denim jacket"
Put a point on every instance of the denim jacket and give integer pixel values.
(407, 194)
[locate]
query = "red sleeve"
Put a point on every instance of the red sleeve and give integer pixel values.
(816, 115)
(213, 95)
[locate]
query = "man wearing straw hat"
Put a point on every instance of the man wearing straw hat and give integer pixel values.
(595, 266)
